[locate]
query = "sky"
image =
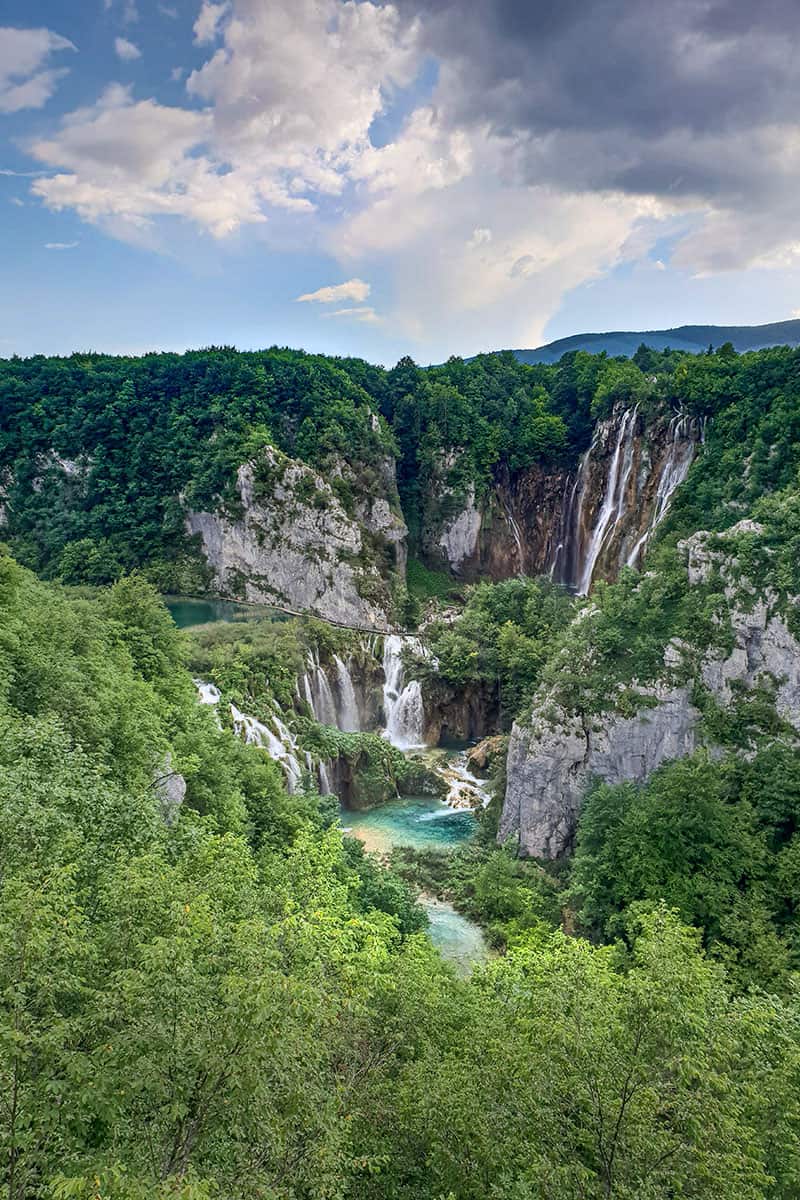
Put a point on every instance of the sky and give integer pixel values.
(423, 177)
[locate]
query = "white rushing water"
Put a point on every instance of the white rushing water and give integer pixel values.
(207, 692)
(348, 715)
(402, 702)
(613, 506)
(279, 742)
(676, 467)
(317, 691)
(325, 788)
(517, 536)
(464, 789)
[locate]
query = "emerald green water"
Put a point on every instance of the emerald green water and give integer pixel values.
(426, 824)
(456, 938)
(421, 822)
(187, 612)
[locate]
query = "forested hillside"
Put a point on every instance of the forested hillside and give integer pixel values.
(201, 999)
(207, 988)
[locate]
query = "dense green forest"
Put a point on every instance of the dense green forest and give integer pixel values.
(223, 998)
(207, 990)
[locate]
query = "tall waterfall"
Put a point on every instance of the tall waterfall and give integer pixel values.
(620, 493)
(349, 718)
(676, 467)
(613, 504)
(402, 702)
(331, 706)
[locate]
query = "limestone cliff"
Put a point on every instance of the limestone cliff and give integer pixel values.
(553, 758)
(576, 525)
(290, 541)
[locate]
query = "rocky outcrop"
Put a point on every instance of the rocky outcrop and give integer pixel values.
(765, 652)
(550, 767)
(486, 755)
(553, 759)
(508, 532)
(463, 714)
(292, 543)
(170, 787)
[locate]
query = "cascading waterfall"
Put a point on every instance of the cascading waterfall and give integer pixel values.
(613, 506)
(349, 718)
(676, 468)
(325, 788)
(280, 744)
(402, 702)
(317, 691)
(207, 692)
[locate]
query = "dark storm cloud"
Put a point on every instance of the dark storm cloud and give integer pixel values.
(645, 65)
(695, 102)
(625, 75)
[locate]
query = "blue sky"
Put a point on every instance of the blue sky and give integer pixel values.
(378, 179)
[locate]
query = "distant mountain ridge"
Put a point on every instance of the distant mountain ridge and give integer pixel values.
(691, 338)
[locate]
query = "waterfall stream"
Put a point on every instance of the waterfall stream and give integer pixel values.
(676, 467)
(613, 506)
(516, 534)
(349, 719)
(402, 703)
(280, 743)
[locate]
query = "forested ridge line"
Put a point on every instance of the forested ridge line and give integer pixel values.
(101, 456)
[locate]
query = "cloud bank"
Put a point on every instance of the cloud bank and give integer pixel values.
(558, 139)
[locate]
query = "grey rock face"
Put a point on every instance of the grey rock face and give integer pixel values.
(170, 788)
(552, 760)
(549, 768)
(294, 545)
(458, 538)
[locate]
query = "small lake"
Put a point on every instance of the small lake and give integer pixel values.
(426, 824)
(420, 822)
(188, 612)
(458, 940)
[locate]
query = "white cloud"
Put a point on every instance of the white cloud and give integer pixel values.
(167, 10)
(365, 314)
(544, 242)
(296, 85)
(24, 81)
(289, 98)
(177, 74)
(60, 245)
(126, 50)
(206, 27)
(130, 10)
(15, 200)
(352, 289)
(131, 162)
(427, 155)
(480, 237)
